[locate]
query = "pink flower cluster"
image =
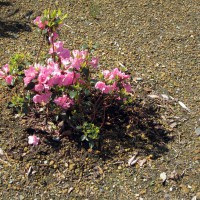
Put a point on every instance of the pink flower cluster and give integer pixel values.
(58, 48)
(105, 88)
(113, 81)
(45, 78)
(115, 74)
(64, 102)
(75, 61)
(55, 74)
(40, 23)
(4, 74)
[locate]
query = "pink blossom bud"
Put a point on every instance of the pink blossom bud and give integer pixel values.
(34, 140)
(9, 79)
(39, 22)
(94, 62)
(5, 68)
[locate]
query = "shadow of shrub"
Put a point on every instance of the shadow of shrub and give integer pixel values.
(7, 28)
(138, 127)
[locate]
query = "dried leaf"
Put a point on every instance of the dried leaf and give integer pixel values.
(153, 96)
(1, 152)
(70, 190)
(146, 89)
(173, 125)
(165, 97)
(29, 171)
(132, 160)
(121, 65)
(142, 162)
(163, 176)
(183, 106)
(194, 198)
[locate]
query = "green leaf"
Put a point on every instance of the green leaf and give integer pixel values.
(10, 105)
(44, 31)
(79, 127)
(95, 46)
(87, 92)
(73, 94)
(84, 46)
(59, 12)
(83, 137)
(63, 17)
(53, 14)
(91, 144)
(56, 117)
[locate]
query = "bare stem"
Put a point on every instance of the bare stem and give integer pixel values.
(96, 107)
(104, 117)
(41, 45)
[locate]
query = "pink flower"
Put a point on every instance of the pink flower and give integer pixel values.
(100, 85)
(27, 80)
(9, 79)
(34, 140)
(31, 72)
(84, 54)
(105, 88)
(106, 74)
(80, 54)
(108, 89)
(68, 79)
(127, 87)
(39, 87)
(42, 98)
(4, 71)
(94, 62)
(53, 67)
(64, 53)
(115, 74)
(55, 80)
(39, 22)
(64, 102)
(46, 70)
(43, 77)
(60, 50)
(5, 68)
(66, 62)
(76, 63)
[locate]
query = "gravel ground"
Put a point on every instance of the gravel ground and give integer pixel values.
(157, 41)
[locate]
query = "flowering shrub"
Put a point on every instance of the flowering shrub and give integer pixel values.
(70, 83)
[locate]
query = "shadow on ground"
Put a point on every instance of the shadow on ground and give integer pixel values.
(9, 28)
(139, 127)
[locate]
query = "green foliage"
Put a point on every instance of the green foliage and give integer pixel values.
(19, 104)
(54, 18)
(90, 46)
(17, 64)
(90, 133)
